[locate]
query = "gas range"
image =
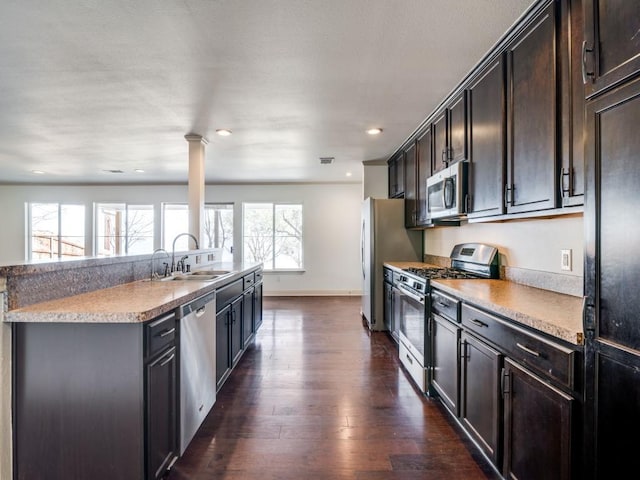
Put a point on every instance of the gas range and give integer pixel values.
(439, 273)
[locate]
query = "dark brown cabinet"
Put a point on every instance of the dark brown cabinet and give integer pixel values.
(532, 88)
(247, 316)
(424, 145)
(229, 340)
(445, 378)
(257, 306)
(161, 390)
(487, 124)
(440, 159)
(480, 400)
(458, 131)
(396, 176)
(612, 274)
(611, 48)
(95, 400)
(388, 299)
(410, 186)
(538, 420)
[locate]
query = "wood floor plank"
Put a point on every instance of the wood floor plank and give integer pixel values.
(318, 396)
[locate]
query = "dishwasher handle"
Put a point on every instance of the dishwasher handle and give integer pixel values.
(196, 305)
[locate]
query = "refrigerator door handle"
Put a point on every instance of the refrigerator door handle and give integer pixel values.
(362, 250)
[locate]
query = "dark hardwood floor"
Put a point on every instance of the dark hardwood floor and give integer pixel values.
(320, 397)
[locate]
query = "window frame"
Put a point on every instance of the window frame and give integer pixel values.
(60, 235)
(274, 205)
(126, 246)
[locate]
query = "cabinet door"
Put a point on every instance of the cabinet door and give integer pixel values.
(222, 344)
(247, 316)
(440, 143)
(444, 356)
(425, 152)
(531, 76)
(458, 129)
(611, 49)
(396, 176)
(572, 107)
(537, 427)
(162, 413)
(480, 402)
(410, 185)
(257, 307)
(612, 323)
(488, 135)
(236, 341)
(388, 306)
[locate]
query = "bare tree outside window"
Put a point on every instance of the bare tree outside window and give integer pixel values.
(273, 235)
(57, 231)
(123, 229)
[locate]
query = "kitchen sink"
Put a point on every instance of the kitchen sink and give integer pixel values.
(217, 273)
(198, 276)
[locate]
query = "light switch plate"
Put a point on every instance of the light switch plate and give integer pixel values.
(565, 260)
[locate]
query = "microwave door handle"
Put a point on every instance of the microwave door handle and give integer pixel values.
(447, 200)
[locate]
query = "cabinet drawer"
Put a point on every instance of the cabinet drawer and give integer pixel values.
(445, 305)
(159, 334)
(548, 358)
(228, 293)
(258, 275)
(248, 280)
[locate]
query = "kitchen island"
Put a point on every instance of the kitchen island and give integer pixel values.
(96, 375)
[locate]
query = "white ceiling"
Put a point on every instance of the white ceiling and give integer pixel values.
(98, 85)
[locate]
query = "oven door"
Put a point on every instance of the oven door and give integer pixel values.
(412, 322)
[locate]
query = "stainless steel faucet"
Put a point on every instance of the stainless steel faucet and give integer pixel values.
(154, 274)
(173, 249)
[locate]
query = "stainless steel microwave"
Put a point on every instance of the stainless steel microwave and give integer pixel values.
(447, 191)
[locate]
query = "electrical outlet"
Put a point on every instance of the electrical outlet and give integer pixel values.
(565, 260)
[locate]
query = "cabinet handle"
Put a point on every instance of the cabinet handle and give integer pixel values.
(442, 304)
(479, 323)
(504, 382)
(167, 332)
(565, 172)
(171, 357)
(507, 195)
(585, 73)
(409, 358)
(528, 350)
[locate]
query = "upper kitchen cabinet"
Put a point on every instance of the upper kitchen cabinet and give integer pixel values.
(450, 134)
(532, 86)
(611, 47)
(410, 186)
(458, 132)
(425, 153)
(440, 159)
(396, 176)
(487, 124)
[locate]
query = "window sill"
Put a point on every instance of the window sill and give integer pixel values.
(284, 271)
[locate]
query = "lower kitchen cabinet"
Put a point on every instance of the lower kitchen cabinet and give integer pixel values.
(236, 340)
(96, 401)
(222, 345)
(538, 421)
(481, 404)
(247, 316)
(445, 377)
(388, 299)
(257, 304)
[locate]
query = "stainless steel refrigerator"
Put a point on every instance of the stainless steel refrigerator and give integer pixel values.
(384, 239)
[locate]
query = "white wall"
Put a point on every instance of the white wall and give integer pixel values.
(533, 244)
(331, 224)
(375, 183)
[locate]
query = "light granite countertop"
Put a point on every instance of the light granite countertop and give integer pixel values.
(553, 313)
(127, 303)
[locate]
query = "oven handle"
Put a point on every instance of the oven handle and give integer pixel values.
(410, 294)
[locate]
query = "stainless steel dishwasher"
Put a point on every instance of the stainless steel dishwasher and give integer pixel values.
(197, 364)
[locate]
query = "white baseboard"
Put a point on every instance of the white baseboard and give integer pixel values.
(313, 293)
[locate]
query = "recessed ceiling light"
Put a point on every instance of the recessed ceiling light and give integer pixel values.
(139, 170)
(348, 174)
(223, 132)
(37, 172)
(374, 131)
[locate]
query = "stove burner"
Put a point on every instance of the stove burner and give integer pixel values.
(439, 272)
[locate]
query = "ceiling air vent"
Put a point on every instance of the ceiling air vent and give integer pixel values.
(113, 171)
(326, 160)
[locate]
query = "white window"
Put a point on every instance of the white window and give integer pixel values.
(123, 229)
(218, 227)
(56, 231)
(272, 234)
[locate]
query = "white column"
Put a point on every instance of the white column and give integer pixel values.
(196, 185)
